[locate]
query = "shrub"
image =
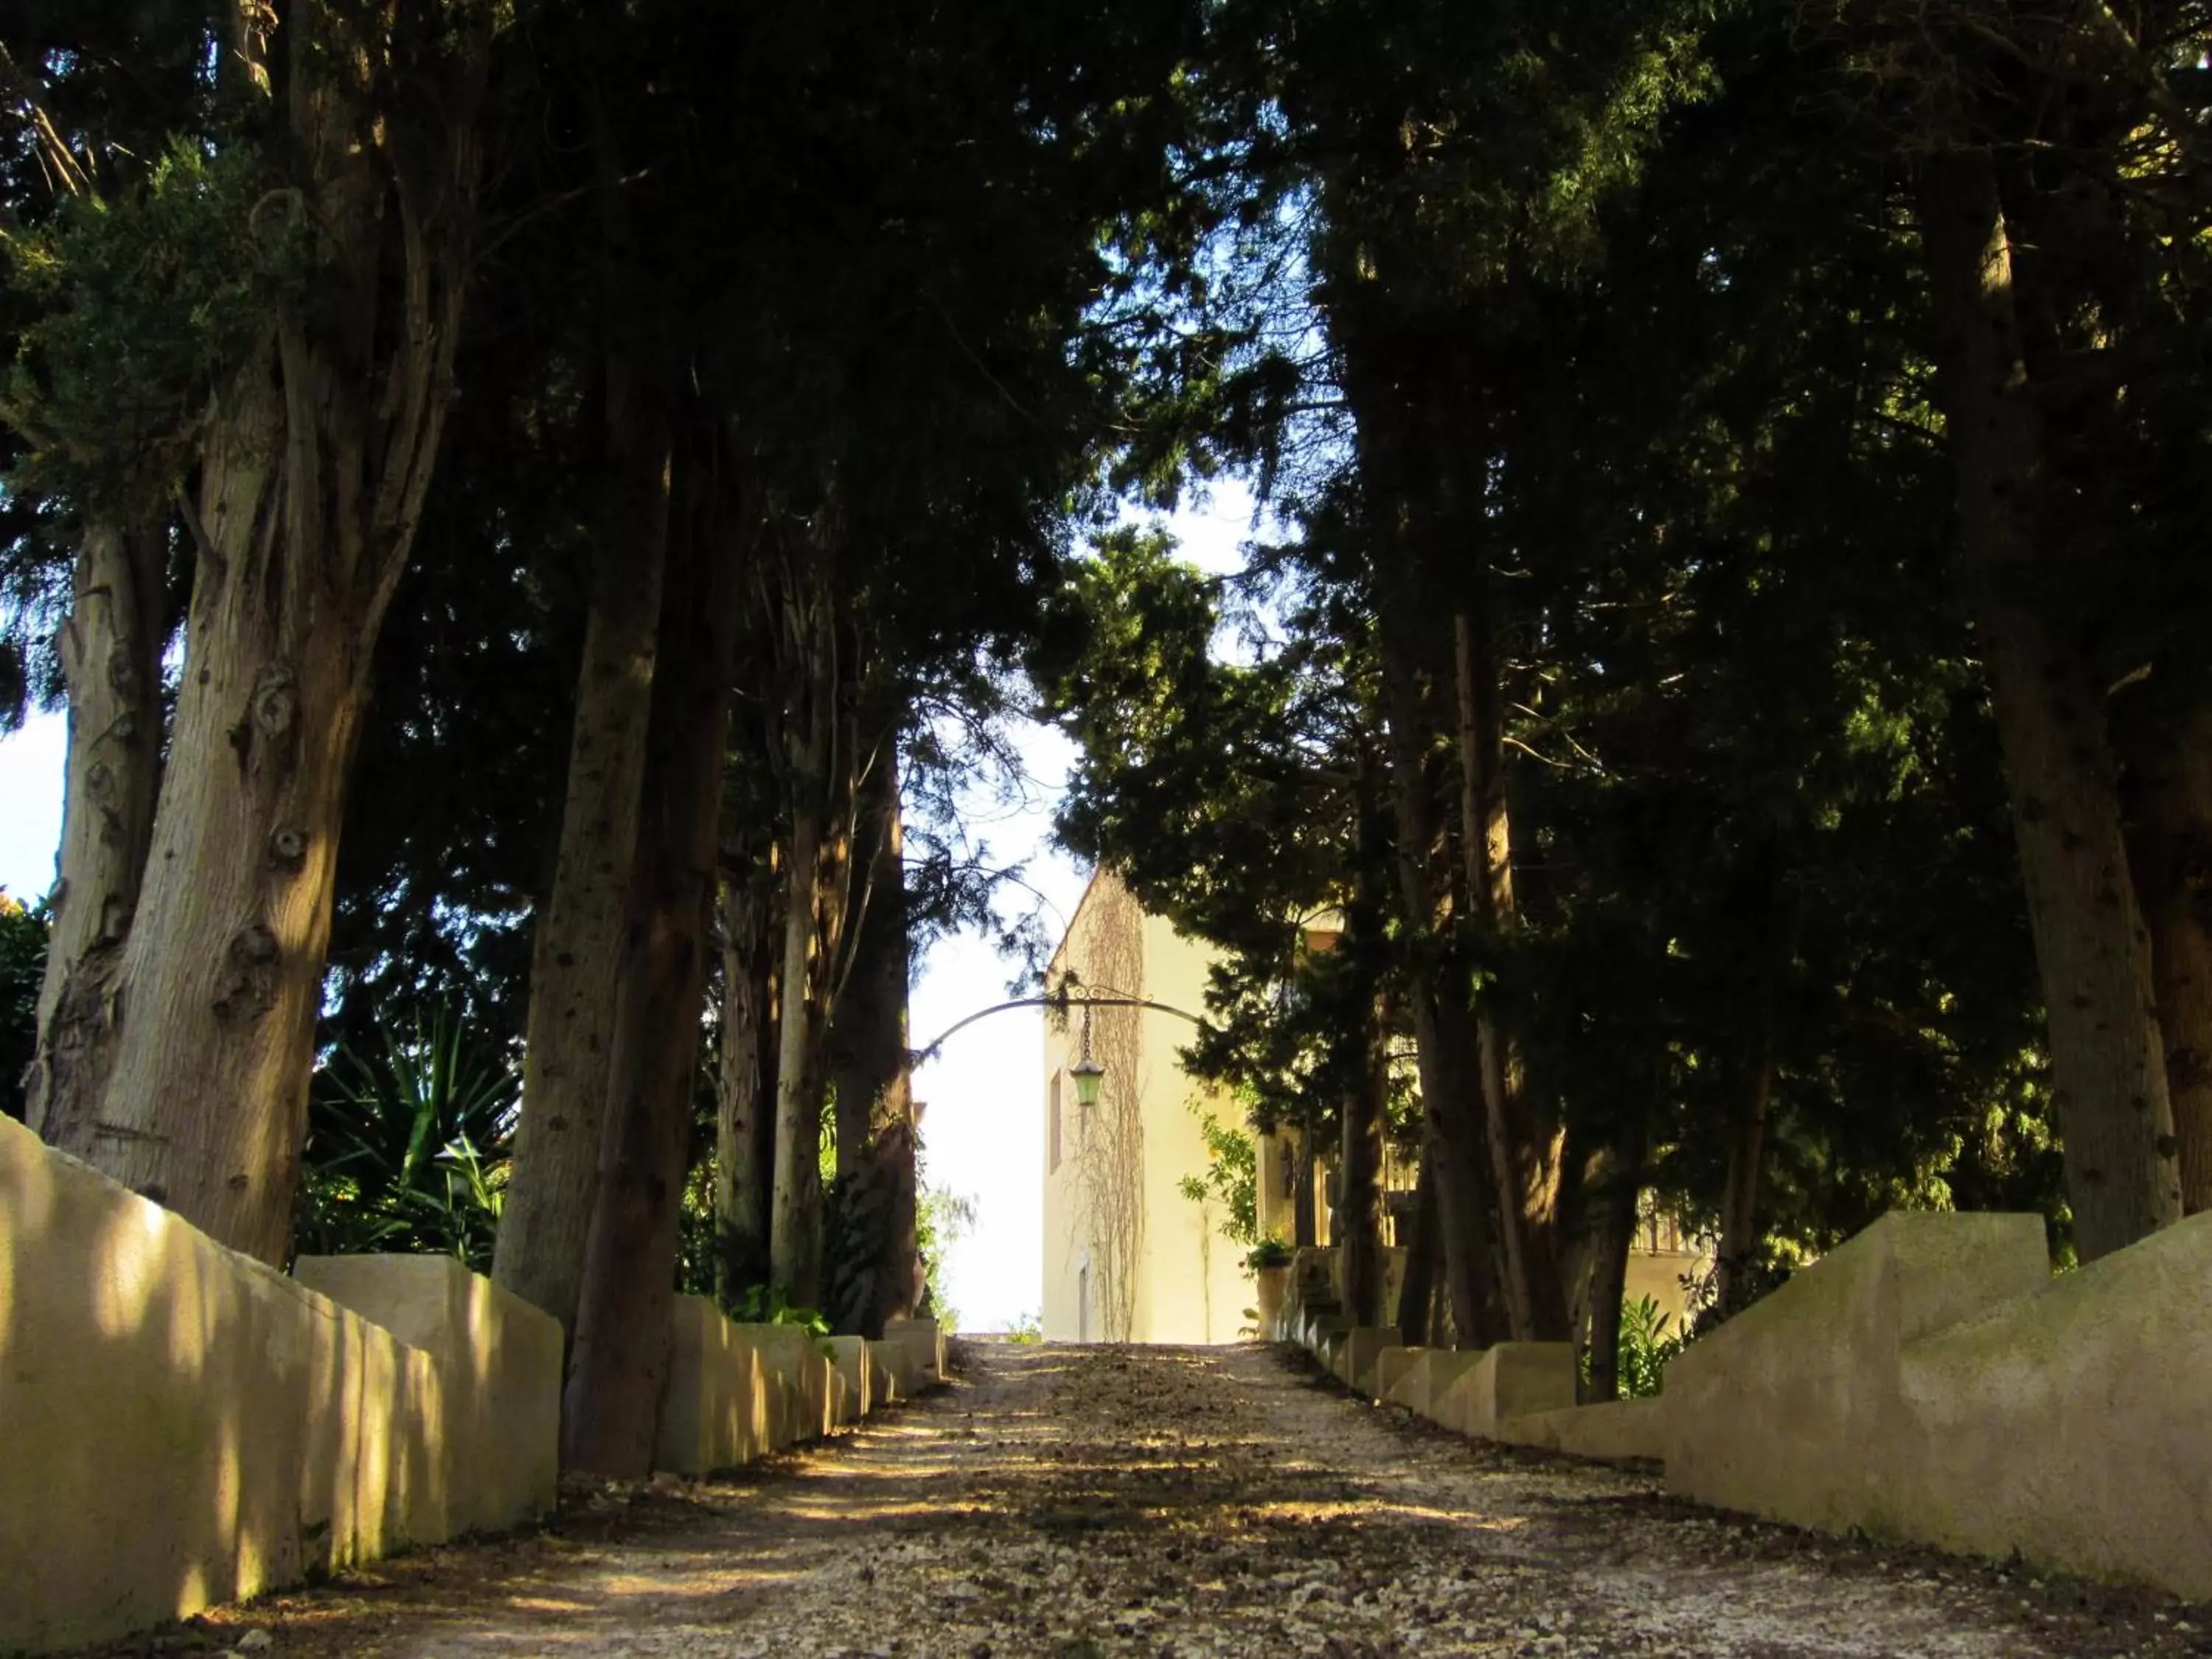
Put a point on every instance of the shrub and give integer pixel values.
(1646, 1345)
(22, 967)
(407, 1150)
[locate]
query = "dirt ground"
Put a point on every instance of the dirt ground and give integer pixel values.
(1163, 1501)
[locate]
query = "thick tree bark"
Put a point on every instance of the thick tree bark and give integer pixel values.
(2169, 851)
(579, 945)
(1362, 958)
(869, 1064)
(1305, 1223)
(1359, 1175)
(1524, 1159)
(1442, 1035)
(1615, 1193)
(744, 1089)
(1746, 1162)
(318, 455)
(619, 1361)
(794, 1220)
(110, 654)
(1417, 1294)
(2107, 1060)
(865, 1047)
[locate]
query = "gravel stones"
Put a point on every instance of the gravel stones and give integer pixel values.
(1070, 1502)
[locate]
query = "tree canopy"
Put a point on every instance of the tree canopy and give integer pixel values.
(535, 512)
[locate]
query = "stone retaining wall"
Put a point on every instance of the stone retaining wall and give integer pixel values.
(181, 1425)
(1930, 1382)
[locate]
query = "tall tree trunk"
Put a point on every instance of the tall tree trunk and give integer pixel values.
(1362, 958)
(1360, 1173)
(1305, 1226)
(1417, 1294)
(619, 1362)
(2107, 1060)
(2170, 852)
(578, 950)
(794, 1222)
(865, 1047)
(869, 1063)
(1747, 1162)
(1616, 1193)
(110, 654)
(744, 1089)
(1385, 387)
(316, 460)
(1524, 1161)
(1442, 1038)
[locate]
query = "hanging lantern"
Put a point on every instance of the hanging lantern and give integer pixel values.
(1090, 1076)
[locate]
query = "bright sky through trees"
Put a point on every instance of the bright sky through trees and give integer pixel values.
(982, 1127)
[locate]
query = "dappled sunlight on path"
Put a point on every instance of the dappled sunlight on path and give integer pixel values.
(1060, 1501)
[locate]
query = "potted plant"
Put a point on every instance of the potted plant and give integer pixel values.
(1270, 1262)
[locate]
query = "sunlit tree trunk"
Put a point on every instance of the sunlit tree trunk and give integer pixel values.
(318, 454)
(1442, 1033)
(871, 1068)
(2170, 850)
(577, 951)
(2108, 1062)
(620, 1358)
(795, 1230)
(1524, 1155)
(110, 655)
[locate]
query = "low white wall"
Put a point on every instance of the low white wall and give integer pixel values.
(717, 1412)
(923, 1342)
(180, 1425)
(1931, 1381)
(498, 1365)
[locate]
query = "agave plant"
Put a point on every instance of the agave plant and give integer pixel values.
(408, 1148)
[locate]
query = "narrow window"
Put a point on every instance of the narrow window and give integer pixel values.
(1052, 1122)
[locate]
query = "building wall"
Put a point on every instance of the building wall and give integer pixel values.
(1094, 1215)
(1195, 1288)
(1115, 1219)
(1660, 1274)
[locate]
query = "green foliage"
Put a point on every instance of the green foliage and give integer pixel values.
(1269, 1252)
(142, 305)
(941, 1219)
(1646, 1345)
(770, 1304)
(22, 968)
(408, 1146)
(1230, 1179)
(1027, 1329)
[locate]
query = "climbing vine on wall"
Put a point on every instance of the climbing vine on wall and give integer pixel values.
(1107, 953)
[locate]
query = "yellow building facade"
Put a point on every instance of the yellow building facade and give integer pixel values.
(1127, 1258)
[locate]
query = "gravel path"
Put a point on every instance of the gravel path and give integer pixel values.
(1159, 1501)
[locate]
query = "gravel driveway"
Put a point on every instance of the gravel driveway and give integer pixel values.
(1095, 1501)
